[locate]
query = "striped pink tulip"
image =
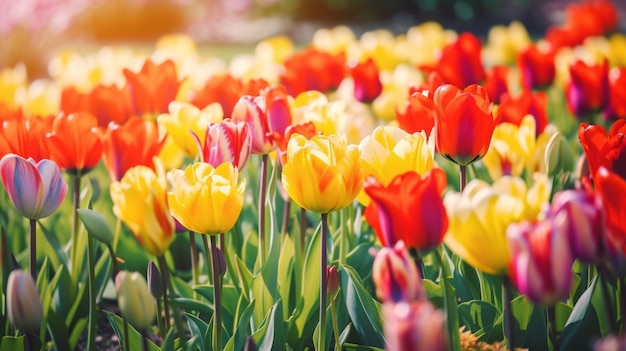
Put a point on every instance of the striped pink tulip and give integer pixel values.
(36, 189)
(226, 141)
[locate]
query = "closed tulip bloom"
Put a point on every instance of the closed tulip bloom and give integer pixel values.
(35, 189)
(205, 199)
(184, 120)
(252, 110)
(602, 149)
(390, 151)
(134, 299)
(541, 261)
(225, 141)
(464, 123)
(23, 304)
(396, 276)
(409, 209)
(137, 134)
(312, 69)
(410, 326)
(460, 63)
(496, 82)
(612, 189)
(75, 142)
(322, 174)
(140, 201)
(536, 66)
(583, 219)
(588, 88)
(367, 84)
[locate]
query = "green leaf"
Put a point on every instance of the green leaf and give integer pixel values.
(305, 320)
(449, 298)
(363, 309)
(271, 334)
(354, 347)
(199, 328)
(285, 274)
(237, 341)
(135, 339)
(96, 225)
(480, 316)
(582, 323)
(58, 331)
(12, 343)
(434, 293)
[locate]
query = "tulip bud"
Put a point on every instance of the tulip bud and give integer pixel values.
(396, 276)
(134, 299)
(541, 262)
(23, 304)
(155, 283)
(332, 281)
(249, 345)
(559, 156)
(414, 326)
(584, 222)
(221, 261)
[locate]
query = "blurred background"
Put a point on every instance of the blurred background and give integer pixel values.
(31, 30)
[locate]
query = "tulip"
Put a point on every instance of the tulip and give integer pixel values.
(559, 157)
(410, 326)
(35, 189)
(390, 151)
(107, 103)
(418, 113)
(226, 90)
(252, 110)
(75, 143)
(137, 134)
(367, 85)
(225, 142)
(511, 148)
(307, 129)
(541, 260)
(496, 82)
(460, 63)
(25, 137)
(617, 90)
(604, 150)
(582, 217)
(24, 307)
(513, 109)
(588, 89)
(312, 69)
(134, 299)
(153, 87)
(395, 275)
(612, 189)
(464, 123)
(322, 174)
(536, 66)
(409, 209)
(140, 201)
(205, 199)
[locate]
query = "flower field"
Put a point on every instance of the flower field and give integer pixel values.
(432, 190)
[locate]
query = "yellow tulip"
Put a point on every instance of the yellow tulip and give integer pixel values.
(184, 118)
(322, 174)
(480, 215)
(390, 152)
(204, 199)
(505, 42)
(511, 148)
(140, 201)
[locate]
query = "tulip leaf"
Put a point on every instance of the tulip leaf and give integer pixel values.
(189, 304)
(271, 334)
(434, 292)
(449, 298)
(96, 225)
(200, 328)
(12, 343)
(285, 274)
(480, 316)
(354, 347)
(582, 323)
(363, 309)
(264, 284)
(245, 276)
(306, 320)
(237, 341)
(135, 339)
(58, 330)
(58, 255)
(360, 259)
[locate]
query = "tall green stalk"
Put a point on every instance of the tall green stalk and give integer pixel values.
(217, 297)
(323, 264)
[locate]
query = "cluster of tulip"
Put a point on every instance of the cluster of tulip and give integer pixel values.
(529, 251)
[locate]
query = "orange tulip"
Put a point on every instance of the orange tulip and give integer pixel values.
(226, 90)
(75, 142)
(312, 69)
(153, 88)
(612, 189)
(464, 123)
(25, 137)
(139, 135)
(107, 103)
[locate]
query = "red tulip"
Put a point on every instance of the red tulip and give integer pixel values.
(588, 88)
(153, 88)
(604, 150)
(418, 112)
(612, 189)
(513, 108)
(464, 123)
(496, 82)
(617, 91)
(226, 90)
(460, 63)
(226, 141)
(367, 85)
(25, 137)
(409, 209)
(312, 69)
(137, 134)
(584, 19)
(536, 67)
(75, 142)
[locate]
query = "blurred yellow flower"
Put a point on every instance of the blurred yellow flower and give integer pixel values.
(617, 57)
(396, 85)
(12, 79)
(390, 151)
(184, 118)
(334, 40)
(505, 42)
(480, 215)
(380, 45)
(275, 49)
(426, 41)
(511, 148)
(322, 174)
(140, 201)
(40, 98)
(206, 200)
(314, 106)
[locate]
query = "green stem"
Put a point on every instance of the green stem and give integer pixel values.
(118, 231)
(209, 255)
(93, 309)
(76, 203)
(463, 177)
(507, 297)
(217, 297)
(608, 306)
(323, 263)
(144, 340)
(126, 339)
(33, 248)
(333, 312)
(449, 300)
(162, 331)
(286, 212)
(622, 299)
(552, 325)
(194, 259)
(165, 277)
(343, 245)
(262, 194)
(115, 270)
(303, 225)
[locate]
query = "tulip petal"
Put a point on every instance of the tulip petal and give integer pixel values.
(23, 184)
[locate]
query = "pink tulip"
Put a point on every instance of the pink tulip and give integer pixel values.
(252, 110)
(23, 303)
(36, 189)
(226, 141)
(395, 275)
(541, 261)
(414, 326)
